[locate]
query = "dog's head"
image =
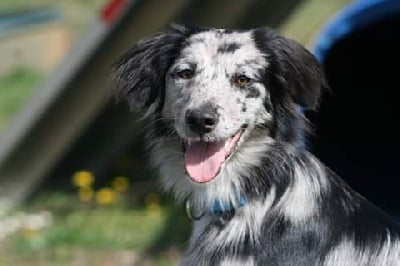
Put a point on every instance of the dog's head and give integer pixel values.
(216, 89)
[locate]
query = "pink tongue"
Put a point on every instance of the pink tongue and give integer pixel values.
(203, 160)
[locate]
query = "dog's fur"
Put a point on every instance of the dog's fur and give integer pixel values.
(297, 211)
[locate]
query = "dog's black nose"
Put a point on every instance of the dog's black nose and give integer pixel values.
(202, 120)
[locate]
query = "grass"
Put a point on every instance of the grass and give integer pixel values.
(15, 87)
(100, 228)
(90, 234)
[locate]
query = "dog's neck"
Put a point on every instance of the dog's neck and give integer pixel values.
(261, 162)
(225, 211)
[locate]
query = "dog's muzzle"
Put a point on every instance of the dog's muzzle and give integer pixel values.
(202, 120)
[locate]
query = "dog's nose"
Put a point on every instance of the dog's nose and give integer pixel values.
(202, 120)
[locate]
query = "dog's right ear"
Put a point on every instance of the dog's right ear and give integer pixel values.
(139, 74)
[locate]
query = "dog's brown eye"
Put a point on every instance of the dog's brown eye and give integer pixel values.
(242, 80)
(185, 74)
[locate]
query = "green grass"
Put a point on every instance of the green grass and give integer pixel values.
(15, 87)
(100, 228)
(89, 234)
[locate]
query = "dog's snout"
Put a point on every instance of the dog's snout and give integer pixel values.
(202, 120)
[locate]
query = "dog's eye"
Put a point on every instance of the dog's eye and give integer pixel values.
(241, 80)
(185, 74)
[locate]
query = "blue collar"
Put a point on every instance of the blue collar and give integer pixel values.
(219, 207)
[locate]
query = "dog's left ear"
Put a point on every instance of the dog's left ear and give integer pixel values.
(139, 74)
(293, 69)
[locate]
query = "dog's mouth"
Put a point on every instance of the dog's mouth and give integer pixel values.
(203, 160)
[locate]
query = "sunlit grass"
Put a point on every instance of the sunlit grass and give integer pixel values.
(15, 87)
(99, 228)
(85, 233)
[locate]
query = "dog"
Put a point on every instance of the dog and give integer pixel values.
(229, 139)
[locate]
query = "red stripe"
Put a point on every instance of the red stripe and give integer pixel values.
(111, 10)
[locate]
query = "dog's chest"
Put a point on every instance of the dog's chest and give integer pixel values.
(216, 244)
(224, 240)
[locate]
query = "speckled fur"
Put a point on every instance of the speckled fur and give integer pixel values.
(297, 211)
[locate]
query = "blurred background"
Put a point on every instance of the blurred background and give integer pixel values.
(74, 185)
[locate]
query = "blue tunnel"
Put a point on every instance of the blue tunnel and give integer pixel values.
(357, 126)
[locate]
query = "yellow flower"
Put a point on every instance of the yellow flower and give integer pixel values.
(152, 199)
(28, 232)
(85, 194)
(82, 179)
(120, 183)
(105, 196)
(152, 202)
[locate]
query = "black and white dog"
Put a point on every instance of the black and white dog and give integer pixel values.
(228, 139)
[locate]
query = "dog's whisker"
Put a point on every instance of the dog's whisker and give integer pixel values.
(151, 123)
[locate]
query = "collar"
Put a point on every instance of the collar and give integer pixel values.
(218, 208)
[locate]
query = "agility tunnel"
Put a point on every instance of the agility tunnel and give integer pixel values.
(357, 131)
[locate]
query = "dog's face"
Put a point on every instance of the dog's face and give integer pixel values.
(220, 94)
(216, 81)
(214, 91)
